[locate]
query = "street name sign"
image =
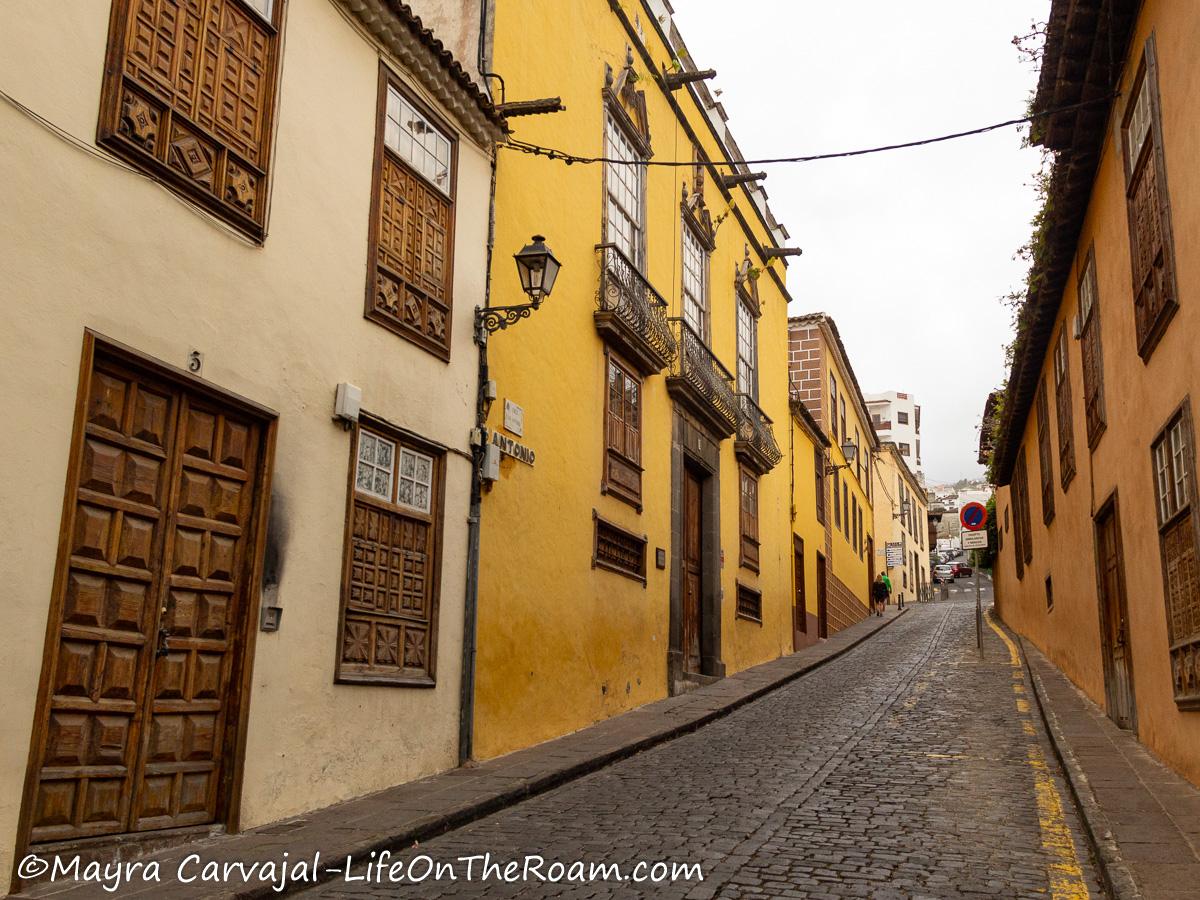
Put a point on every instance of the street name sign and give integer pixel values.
(974, 540)
(973, 517)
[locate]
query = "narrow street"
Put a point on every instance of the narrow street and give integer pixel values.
(907, 768)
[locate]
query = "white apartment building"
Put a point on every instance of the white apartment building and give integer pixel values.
(897, 418)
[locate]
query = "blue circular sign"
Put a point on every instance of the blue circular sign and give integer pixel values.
(973, 516)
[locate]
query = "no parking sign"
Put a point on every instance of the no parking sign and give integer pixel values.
(973, 516)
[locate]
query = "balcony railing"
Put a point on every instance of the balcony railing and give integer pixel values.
(700, 383)
(755, 443)
(631, 315)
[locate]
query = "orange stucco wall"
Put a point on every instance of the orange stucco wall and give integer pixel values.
(1140, 398)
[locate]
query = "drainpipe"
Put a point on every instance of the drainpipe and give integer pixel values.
(466, 706)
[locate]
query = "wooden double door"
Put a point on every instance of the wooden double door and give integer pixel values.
(1114, 617)
(143, 676)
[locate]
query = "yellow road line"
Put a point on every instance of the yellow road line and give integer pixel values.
(1065, 872)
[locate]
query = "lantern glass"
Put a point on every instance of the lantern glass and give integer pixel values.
(849, 451)
(537, 268)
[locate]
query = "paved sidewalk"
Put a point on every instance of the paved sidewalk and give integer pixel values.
(397, 817)
(1143, 819)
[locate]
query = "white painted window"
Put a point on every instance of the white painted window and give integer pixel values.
(624, 185)
(417, 141)
(1139, 121)
(747, 359)
(395, 475)
(376, 461)
(262, 7)
(1087, 291)
(414, 484)
(695, 283)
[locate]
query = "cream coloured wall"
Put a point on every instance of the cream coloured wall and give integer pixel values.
(90, 244)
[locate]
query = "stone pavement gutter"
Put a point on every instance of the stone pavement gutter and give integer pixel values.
(398, 817)
(1142, 820)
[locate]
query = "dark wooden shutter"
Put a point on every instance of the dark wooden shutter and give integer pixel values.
(819, 470)
(411, 283)
(1063, 411)
(1045, 460)
(390, 593)
(1023, 539)
(749, 520)
(622, 434)
(1149, 218)
(1180, 560)
(190, 95)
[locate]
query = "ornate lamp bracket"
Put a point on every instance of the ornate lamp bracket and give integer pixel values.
(489, 320)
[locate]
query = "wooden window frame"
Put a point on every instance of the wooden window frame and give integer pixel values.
(749, 545)
(620, 121)
(837, 501)
(1186, 646)
(833, 406)
(375, 308)
(1091, 348)
(1021, 519)
(613, 455)
(1064, 414)
(746, 332)
(687, 231)
(1045, 454)
(352, 673)
(1148, 334)
(138, 125)
(600, 523)
(748, 596)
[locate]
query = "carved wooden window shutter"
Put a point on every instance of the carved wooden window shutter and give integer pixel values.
(623, 434)
(1062, 395)
(1045, 460)
(409, 288)
(1174, 462)
(189, 97)
(393, 533)
(1152, 249)
(1090, 350)
(749, 519)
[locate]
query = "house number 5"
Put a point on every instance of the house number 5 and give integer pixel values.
(195, 361)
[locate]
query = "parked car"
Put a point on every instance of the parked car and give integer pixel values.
(943, 574)
(962, 570)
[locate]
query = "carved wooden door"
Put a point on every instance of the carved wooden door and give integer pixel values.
(800, 615)
(1114, 619)
(693, 568)
(140, 672)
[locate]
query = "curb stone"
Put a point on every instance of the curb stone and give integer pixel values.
(1115, 876)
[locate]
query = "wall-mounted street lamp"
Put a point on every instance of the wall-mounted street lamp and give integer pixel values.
(537, 269)
(905, 509)
(849, 451)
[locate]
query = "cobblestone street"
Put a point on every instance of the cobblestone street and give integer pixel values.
(906, 768)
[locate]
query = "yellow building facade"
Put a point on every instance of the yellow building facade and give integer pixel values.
(824, 381)
(636, 538)
(901, 520)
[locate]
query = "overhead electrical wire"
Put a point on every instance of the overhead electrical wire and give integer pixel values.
(573, 158)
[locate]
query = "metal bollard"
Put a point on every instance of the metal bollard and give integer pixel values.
(945, 591)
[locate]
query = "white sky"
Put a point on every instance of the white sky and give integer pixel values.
(908, 250)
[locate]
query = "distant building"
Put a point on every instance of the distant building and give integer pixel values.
(897, 419)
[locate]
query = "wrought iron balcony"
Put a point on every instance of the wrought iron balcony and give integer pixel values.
(699, 382)
(755, 444)
(631, 315)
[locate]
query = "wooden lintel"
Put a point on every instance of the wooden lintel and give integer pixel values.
(530, 107)
(741, 178)
(676, 80)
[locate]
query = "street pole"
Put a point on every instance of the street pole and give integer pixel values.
(978, 607)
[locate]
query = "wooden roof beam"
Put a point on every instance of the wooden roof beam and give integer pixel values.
(737, 178)
(530, 107)
(675, 80)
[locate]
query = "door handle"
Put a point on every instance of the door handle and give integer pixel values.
(162, 650)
